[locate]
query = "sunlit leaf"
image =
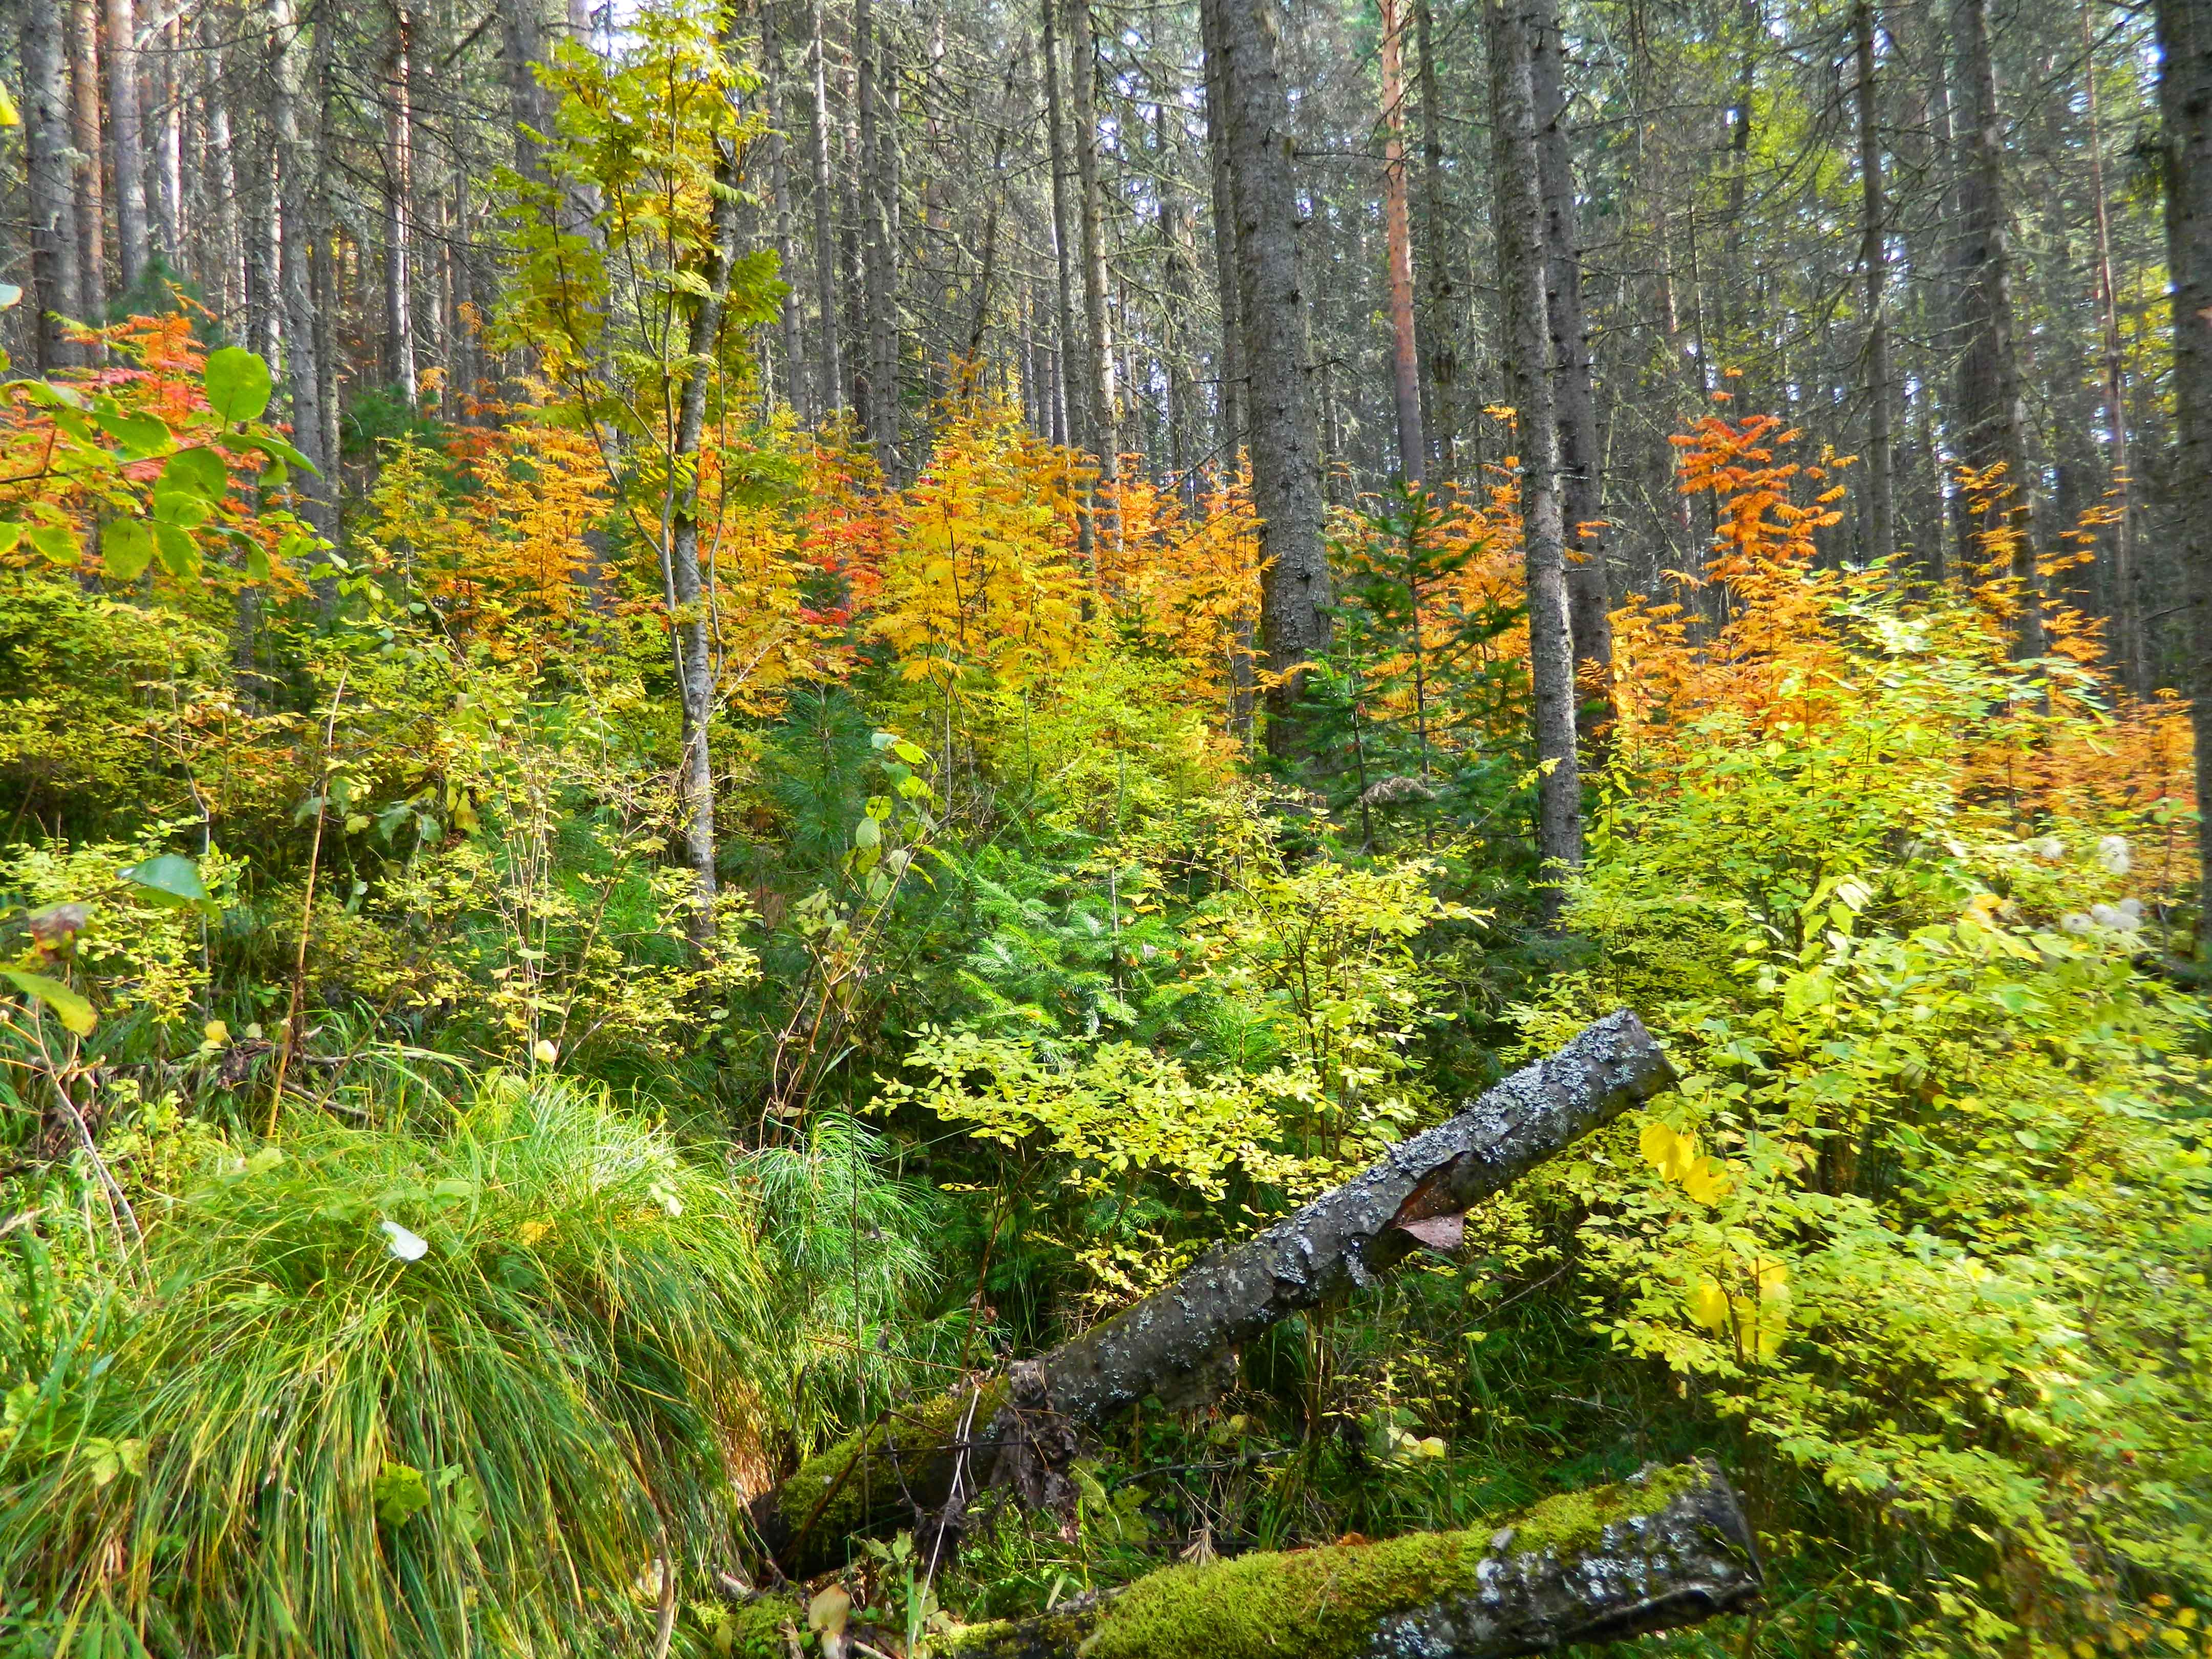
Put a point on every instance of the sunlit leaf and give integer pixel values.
(73, 1011)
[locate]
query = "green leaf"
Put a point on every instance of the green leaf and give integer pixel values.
(10, 533)
(170, 879)
(912, 753)
(46, 394)
(72, 1010)
(199, 471)
(278, 450)
(140, 435)
(126, 547)
(400, 1493)
(256, 562)
(57, 542)
(238, 384)
(180, 554)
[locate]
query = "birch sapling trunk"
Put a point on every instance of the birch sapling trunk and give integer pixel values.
(1882, 450)
(694, 670)
(229, 287)
(86, 184)
(1992, 411)
(1182, 1343)
(1285, 441)
(2185, 100)
(831, 386)
(47, 133)
(126, 140)
(1398, 247)
(169, 145)
(1522, 261)
(1581, 464)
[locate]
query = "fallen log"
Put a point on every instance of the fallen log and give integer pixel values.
(1180, 1345)
(1667, 1548)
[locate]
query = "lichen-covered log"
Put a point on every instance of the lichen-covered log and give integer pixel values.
(1667, 1548)
(1180, 1345)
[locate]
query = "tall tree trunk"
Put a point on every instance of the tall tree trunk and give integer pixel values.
(465, 368)
(1102, 400)
(2184, 99)
(1873, 262)
(830, 397)
(55, 288)
(126, 140)
(1992, 413)
(169, 146)
(1074, 416)
(1287, 495)
(85, 130)
(1440, 327)
(694, 669)
(1230, 362)
(2129, 645)
(791, 319)
(264, 301)
(1177, 270)
(399, 207)
(880, 408)
(296, 167)
(521, 49)
(1398, 245)
(1581, 464)
(1521, 250)
(229, 288)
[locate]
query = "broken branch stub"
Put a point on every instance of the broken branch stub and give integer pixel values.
(1180, 1343)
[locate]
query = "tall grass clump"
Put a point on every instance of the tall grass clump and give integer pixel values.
(376, 1394)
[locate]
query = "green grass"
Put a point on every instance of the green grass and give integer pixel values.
(550, 1397)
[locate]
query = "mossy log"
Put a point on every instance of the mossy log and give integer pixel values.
(1180, 1345)
(1667, 1548)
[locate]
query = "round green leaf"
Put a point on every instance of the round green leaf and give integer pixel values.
(168, 879)
(72, 1010)
(237, 384)
(126, 547)
(57, 542)
(180, 554)
(139, 434)
(200, 472)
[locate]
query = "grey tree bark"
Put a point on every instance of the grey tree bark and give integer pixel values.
(2185, 100)
(399, 206)
(521, 48)
(1102, 412)
(1581, 464)
(791, 319)
(126, 140)
(297, 165)
(1181, 1344)
(1873, 260)
(1073, 411)
(2130, 644)
(879, 408)
(694, 669)
(169, 144)
(55, 288)
(830, 386)
(1522, 251)
(1992, 412)
(87, 185)
(1284, 440)
(1230, 363)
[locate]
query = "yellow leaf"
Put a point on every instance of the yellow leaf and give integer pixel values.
(1673, 1155)
(1706, 1180)
(1708, 1304)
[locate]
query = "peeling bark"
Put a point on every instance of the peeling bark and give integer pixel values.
(1180, 1345)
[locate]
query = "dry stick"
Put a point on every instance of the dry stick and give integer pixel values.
(307, 908)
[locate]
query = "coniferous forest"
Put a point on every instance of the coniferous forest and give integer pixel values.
(1105, 829)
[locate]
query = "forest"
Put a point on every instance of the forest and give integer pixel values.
(1105, 829)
